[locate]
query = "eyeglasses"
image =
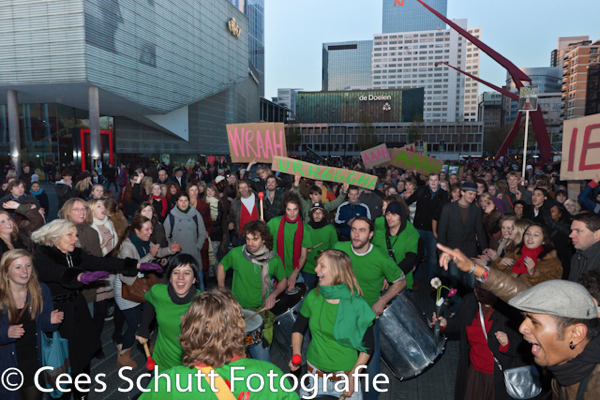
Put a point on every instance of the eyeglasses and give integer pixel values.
(78, 210)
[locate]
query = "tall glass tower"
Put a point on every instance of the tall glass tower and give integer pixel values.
(347, 65)
(255, 11)
(412, 16)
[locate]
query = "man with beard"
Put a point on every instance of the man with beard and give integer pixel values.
(399, 239)
(163, 177)
(272, 200)
(254, 264)
(323, 236)
(561, 323)
(374, 269)
(244, 209)
(291, 238)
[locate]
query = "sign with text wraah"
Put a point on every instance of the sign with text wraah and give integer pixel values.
(256, 141)
(581, 148)
(323, 172)
(375, 156)
(422, 163)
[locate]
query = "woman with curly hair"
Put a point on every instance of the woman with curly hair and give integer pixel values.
(213, 338)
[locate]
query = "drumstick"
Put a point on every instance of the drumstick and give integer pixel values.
(343, 397)
(258, 312)
(150, 363)
(312, 248)
(262, 214)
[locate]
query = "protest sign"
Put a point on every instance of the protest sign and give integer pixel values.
(323, 172)
(581, 148)
(574, 190)
(409, 147)
(375, 156)
(528, 97)
(256, 141)
(422, 163)
(452, 169)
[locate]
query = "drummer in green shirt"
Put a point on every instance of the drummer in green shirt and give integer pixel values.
(254, 265)
(291, 238)
(213, 340)
(374, 270)
(399, 239)
(323, 236)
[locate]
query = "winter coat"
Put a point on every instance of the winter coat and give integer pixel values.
(346, 211)
(8, 354)
(547, 268)
(452, 232)
(584, 261)
(64, 192)
(186, 232)
(78, 327)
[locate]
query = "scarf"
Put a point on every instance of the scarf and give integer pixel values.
(143, 247)
(34, 193)
(107, 224)
(214, 207)
(261, 258)
(502, 243)
(163, 201)
(181, 300)
(575, 370)
(297, 239)
(184, 211)
(353, 316)
(318, 225)
(520, 267)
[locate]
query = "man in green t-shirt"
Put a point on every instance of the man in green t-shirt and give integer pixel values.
(220, 362)
(291, 238)
(374, 270)
(399, 239)
(323, 236)
(254, 264)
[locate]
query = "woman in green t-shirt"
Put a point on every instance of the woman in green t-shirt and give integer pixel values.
(168, 303)
(340, 322)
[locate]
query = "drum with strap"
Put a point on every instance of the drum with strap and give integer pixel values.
(406, 339)
(286, 313)
(254, 328)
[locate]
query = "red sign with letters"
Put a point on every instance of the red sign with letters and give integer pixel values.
(581, 148)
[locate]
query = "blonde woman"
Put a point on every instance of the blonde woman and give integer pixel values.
(344, 321)
(26, 310)
(83, 188)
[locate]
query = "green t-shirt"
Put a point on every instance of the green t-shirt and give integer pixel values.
(326, 235)
(324, 352)
(167, 351)
(188, 378)
(289, 233)
(379, 223)
(371, 269)
(247, 285)
(405, 242)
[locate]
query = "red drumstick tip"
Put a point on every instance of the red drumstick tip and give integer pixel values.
(261, 195)
(150, 364)
(296, 359)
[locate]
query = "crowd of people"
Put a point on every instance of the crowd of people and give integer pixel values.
(174, 255)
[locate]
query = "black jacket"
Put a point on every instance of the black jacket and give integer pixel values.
(504, 319)
(427, 204)
(584, 261)
(453, 233)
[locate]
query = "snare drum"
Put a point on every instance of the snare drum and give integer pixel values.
(254, 328)
(406, 339)
(286, 313)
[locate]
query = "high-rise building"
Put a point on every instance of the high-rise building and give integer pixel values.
(287, 98)
(412, 59)
(255, 11)
(347, 65)
(548, 79)
(565, 44)
(490, 109)
(410, 16)
(575, 76)
(592, 99)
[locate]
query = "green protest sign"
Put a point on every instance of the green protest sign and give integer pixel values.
(422, 163)
(323, 172)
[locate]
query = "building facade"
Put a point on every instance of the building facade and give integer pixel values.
(592, 99)
(447, 141)
(376, 106)
(410, 16)
(412, 59)
(565, 44)
(490, 110)
(575, 77)
(166, 77)
(346, 65)
(287, 98)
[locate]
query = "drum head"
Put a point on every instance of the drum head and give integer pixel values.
(288, 300)
(254, 323)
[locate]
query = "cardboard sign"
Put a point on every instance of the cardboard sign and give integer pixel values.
(323, 172)
(256, 141)
(452, 169)
(581, 148)
(528, 97)
(574, 190)
(422, 163)
(375, 156)
(409, 147)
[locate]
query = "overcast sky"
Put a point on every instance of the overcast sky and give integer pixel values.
(524, 31)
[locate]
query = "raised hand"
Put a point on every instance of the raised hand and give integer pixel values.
(88, 277)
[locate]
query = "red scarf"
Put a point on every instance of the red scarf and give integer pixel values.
(163, 201)
(520, 267)
(297, 240)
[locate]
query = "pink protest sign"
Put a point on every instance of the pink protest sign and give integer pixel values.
(256, 141)
(375, 156)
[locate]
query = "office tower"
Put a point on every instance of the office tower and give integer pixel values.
(347, 65)
(410, 16)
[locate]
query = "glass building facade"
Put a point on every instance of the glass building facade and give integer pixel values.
(347, 106)
(347, 65)
(412, 16)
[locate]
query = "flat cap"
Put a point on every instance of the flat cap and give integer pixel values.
(559, 298)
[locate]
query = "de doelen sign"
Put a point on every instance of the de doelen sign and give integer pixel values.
(375, 98)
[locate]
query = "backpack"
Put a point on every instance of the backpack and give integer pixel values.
(172, 221)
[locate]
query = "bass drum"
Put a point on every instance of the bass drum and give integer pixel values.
(286, 313)
(405, 338)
